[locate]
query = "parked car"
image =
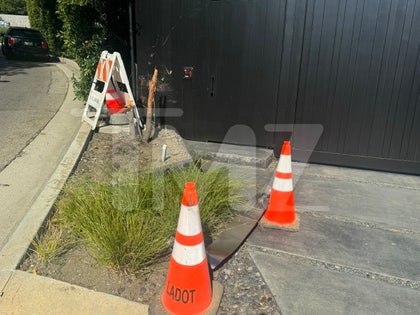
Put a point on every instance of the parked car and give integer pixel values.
(24, 42)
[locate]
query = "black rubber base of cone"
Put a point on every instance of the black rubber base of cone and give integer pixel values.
(292, 227)
(156, 307)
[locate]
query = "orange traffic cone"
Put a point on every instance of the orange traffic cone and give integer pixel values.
(113, 101)
(188, 288)
(280, 213)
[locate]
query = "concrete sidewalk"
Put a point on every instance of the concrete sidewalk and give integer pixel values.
(358, 247)
(27, 294)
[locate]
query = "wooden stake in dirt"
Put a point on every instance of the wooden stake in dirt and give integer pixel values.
(150, 102)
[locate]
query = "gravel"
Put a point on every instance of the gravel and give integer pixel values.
(245, 291)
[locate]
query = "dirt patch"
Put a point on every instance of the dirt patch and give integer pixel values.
(113, 147)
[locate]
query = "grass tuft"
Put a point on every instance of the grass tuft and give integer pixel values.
(56, 240)
(127, 224)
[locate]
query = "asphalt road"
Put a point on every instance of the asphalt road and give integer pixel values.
(31, 92)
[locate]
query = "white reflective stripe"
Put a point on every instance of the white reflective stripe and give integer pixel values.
(285, 164)
(188, 255)
(281, 184)
(111, 95)
(189, 222)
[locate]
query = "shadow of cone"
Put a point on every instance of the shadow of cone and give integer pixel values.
(188, 288)
(280, 213)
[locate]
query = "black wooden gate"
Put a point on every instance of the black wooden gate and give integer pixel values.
(292, 68)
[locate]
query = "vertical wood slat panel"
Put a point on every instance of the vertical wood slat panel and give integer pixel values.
(374, 134)
(233, 48)
(393, 123)
(403, 122)
(383, 102)
(351, 65)
(317, 75)
(359, 76)
(360, 112)
(290, 55)
(330, 142)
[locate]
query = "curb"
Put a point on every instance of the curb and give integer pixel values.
(15, 250)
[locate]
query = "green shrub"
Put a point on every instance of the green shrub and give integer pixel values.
(87, 57)
(82, 34)
(128, 224)
(81, 30)
(13, 7)
(42, 16)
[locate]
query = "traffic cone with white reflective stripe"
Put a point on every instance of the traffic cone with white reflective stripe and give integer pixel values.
(280, 213)
(188, 288)
(113, 101)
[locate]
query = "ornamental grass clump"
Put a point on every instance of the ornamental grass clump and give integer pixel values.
(129, 223)
(55, 240)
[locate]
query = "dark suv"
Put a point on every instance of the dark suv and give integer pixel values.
(24, 42)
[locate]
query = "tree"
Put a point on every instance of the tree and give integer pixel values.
(89, 27)
(43, 17)
(81, 29)
(13, 7)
